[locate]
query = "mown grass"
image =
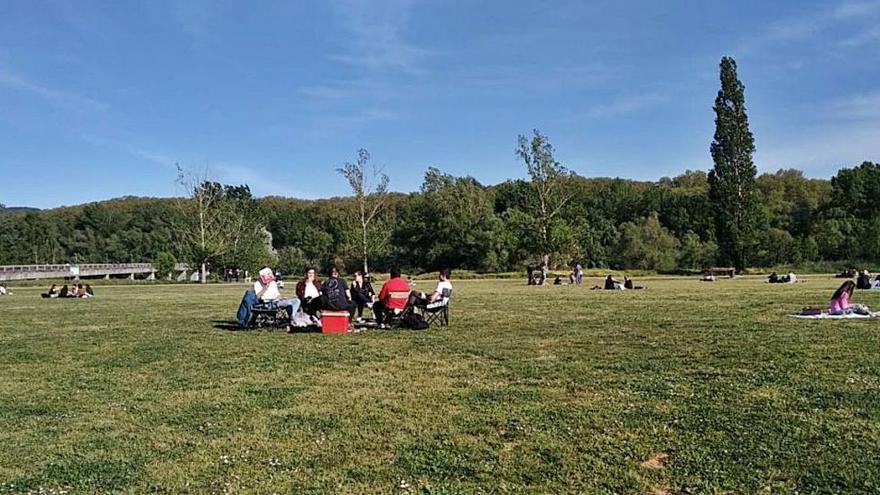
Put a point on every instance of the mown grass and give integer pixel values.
(531, 390)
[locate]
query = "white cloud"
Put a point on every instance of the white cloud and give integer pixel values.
(626, 105)
(378, 39)
(19, 82)
(856, 107)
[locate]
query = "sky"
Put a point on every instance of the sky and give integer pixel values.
(101, 99)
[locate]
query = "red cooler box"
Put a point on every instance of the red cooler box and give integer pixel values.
(334, 321)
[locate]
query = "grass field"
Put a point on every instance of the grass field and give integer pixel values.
(686, 387)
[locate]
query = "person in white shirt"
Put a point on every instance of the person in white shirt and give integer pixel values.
(308, 290)
(267, 290)
(443, 284)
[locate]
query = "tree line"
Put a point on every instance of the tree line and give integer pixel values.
(729, 215)
(457, 222)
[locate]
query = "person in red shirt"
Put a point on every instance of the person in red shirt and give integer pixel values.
(385, 302)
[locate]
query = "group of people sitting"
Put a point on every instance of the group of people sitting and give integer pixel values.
(334, 294)
(613, 284)
(539, 277)
(788, 278)
(74, 290)
(863, 281)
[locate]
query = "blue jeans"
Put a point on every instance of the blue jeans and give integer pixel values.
(290, 304)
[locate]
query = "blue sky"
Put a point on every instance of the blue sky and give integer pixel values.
(100, 99)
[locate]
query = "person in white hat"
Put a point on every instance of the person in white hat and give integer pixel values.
(267, 290)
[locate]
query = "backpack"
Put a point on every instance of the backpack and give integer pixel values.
(244, 309)
(334, 297)
(414, 321)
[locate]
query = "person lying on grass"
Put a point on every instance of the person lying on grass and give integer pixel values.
(266, 289)
(840, 301)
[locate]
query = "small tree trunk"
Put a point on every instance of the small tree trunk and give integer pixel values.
(203, 275)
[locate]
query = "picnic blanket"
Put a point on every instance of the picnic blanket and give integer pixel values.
(826, 316)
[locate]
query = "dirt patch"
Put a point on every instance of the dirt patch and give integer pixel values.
(656, 461)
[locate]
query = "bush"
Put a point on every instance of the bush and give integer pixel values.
(165, 263)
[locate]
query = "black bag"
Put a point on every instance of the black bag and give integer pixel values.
(333, 293)
(414, 321)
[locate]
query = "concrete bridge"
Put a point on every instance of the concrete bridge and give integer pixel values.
(131, 271)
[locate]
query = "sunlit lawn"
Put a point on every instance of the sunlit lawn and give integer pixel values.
(530, 390)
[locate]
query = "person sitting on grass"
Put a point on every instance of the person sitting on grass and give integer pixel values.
(612, 284)
(876, 284)
(788, 278)
(362, 293)
(266, 289)
(557, 280)
(308, 290)
(628, 284)
(840, 301)
(773, 278)
(864, 280)
(335, 295)
(4, 291)
(443, 284)
(385, 303)
(88, 292)
(52, 293)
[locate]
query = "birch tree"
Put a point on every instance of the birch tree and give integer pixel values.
(369, 185)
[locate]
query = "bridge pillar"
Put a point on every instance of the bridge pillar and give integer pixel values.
(131, 276)
(151, 276)
(182, 276)
(107, 276)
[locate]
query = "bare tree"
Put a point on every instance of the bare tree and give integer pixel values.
(549, 179)
(369, 184)
(203, 231)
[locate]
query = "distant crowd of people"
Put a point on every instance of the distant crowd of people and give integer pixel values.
(74, 290)
(335, 294)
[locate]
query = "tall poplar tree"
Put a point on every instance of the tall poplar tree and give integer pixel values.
(732, 180)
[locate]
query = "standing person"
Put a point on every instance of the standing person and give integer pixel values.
(840, 301)
(395, 284)
(578, 273)
(530, 275)
(308, 290)
(335, 295)
(362, 293)
(266, 289)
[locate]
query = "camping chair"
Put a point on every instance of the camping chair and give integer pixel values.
(267, 314)
(394, 317)
(437, 311)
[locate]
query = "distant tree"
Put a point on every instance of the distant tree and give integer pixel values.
(732, 180)
(647, 245)
(696, 254)
(165, 264)
(369, 184)
(549, 182)
(211, 221)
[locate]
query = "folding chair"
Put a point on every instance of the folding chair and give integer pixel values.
(437, 311)
(394, 317)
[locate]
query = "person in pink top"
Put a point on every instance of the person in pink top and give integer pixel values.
(840, 301)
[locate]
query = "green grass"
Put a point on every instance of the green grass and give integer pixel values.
(531, 390)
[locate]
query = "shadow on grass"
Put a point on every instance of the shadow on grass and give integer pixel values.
(232, 326)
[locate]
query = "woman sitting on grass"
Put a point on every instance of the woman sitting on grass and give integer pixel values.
(840, 304)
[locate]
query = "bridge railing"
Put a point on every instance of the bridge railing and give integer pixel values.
(81, 266)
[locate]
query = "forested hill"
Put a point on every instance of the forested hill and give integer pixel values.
(16, 209)
(458, 222)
